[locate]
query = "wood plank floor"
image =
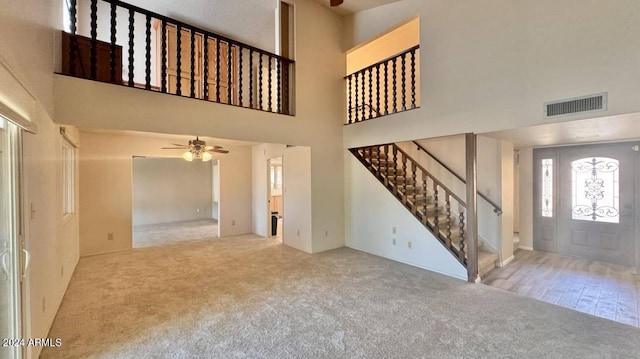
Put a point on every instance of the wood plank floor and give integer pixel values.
(605, 290)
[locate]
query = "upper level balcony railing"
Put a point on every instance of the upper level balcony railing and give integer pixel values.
(169, 56)
(386, 87)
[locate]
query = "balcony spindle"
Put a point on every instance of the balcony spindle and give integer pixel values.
(131, 45)
(285, 86)
(349, 115)
(386, 88)
(377, 90)
(73, 44)
(270, 109)
(240, 77)
(147, 84)
(217, 70)
(251, 104)
(94, 36)
(260, 81)
(395, 85)
(364, 98)
(112, 49)
(193, 64)
(230, 82)
(355, 107)
(163, 65)
(278, 62)
(404, 82)
(205, 70)
(370, 93)
(179, 60)
(413, 78)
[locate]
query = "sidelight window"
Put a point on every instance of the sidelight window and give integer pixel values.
(547, 187)
(595, 189)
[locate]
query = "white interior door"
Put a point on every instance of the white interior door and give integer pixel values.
(10, 327)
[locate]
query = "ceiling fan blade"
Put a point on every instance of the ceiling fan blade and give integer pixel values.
(177, 144)
(336, 2)
(216, 150)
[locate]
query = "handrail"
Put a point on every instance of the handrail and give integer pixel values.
(496, 209)
(381, 62)
(195, 28)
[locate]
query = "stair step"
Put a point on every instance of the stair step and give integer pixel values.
(486, 262)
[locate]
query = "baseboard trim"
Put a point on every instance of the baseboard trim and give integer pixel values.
(525, 248)
(506, 261)
(109, 252)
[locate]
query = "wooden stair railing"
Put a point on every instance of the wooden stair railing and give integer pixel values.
(432, 203)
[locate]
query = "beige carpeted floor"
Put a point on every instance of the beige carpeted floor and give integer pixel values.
(153, 235)
(249, 297)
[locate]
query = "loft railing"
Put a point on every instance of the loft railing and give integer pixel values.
(386, 87)
(169, 56)
(496, 209)
(428, 199)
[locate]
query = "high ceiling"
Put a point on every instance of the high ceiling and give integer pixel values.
(353, 6)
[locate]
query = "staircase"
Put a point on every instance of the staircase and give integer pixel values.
(431, 202)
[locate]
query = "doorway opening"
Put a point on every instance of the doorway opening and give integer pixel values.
(275, 197)
(174, 201)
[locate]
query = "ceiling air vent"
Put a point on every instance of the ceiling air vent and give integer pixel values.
(576, 105)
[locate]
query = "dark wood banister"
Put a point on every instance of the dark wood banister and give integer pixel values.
(195, 28)
(383, 61)
(496, 209)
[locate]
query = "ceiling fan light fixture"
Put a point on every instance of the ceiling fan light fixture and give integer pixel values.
(188, 156)
(206, 156)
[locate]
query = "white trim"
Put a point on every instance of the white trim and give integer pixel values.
(526, 248)
(506, 261)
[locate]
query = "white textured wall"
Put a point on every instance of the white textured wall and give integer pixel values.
(526, 198)
(297, 218)
(26, 85)
(170, 190)
(372, 212)
(491, 65)
(261, 214)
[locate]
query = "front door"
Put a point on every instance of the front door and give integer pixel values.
(585, 201)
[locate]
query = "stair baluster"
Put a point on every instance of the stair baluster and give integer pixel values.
(435, 208)
(448, 219)
(461, 254)
(395, 172)
(415, 188)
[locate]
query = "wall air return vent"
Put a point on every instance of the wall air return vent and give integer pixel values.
(589, 103)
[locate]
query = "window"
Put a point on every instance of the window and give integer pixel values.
(547, 187)
(595, 189)
(66, 15)
(68, 177)
(276, 177)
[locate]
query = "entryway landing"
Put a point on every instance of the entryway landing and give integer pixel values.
(602, 289)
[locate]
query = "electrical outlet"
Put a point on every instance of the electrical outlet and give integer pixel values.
(409, 245)
(109, 236)
(393, 230)
(197, 210)
(393, 241)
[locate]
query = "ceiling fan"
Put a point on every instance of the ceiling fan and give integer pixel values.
(197, 149)
(336, 2)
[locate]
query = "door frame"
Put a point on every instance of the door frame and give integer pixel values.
(554, 153)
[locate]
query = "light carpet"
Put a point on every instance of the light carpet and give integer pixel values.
(151, 235)
(250, 297)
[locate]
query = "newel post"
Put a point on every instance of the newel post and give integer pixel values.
(472, 208)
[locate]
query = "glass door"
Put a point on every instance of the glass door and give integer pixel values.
(10, 332)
